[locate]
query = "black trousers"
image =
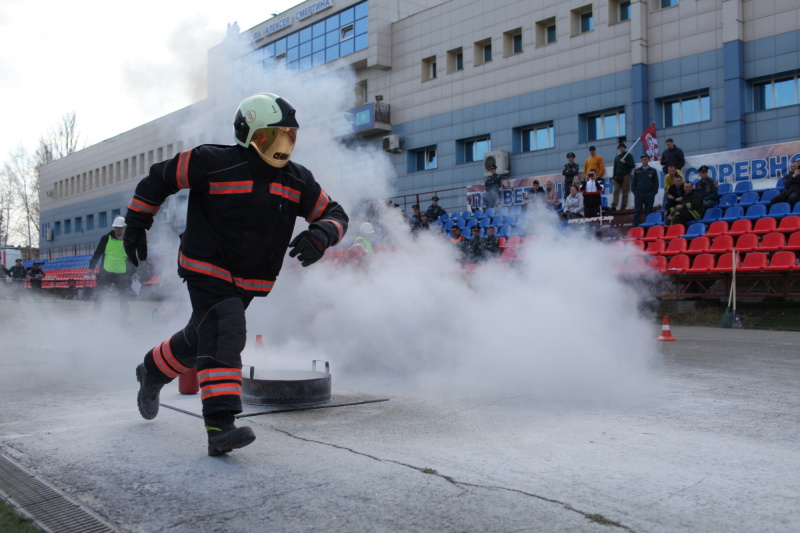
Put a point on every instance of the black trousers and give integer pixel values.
(212, 341)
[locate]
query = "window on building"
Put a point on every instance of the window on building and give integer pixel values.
(89, 222)
(624, 11)
(551, 33)
(605, 125)
(687, 109)
(538, 137)
(56, 228)
(581, 20)
(483, 52)
(512, 42)
(78, 225)
(474, 148)
(546, 31)
(425, 159)
(102, 220)
(619, 11)
(67, 227)
(429, 68)
(779, 92)
(114, 213)
(668, 3)
(347, 32)
(455, 60)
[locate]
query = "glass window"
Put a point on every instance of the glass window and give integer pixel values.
(425, 159)
(361, 10)
(538, 137)
(114, 213)
(347, 32)
(347, 47)
(305, 35)
(67, 227)
(347, 16)
(361, 42)
(518, 43)
(587, 22)
(89, 222)
(101, 220)
(460, 61)
(57, 228)
(332, 23)
(305, 49)
(487, 52)
(332, 53)
(318, 58)
(319, 44)
(668, 3)
(280, 46)
(551, 33)
(332, 38)
(606, 125)
(78, 224)
(318, 29)
(624, 11)
(292, 55)
(475, 148)
(292, 40)
(305, 63)
(687, 110)
(361, 27)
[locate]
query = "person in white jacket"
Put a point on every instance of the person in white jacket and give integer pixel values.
(573, 204)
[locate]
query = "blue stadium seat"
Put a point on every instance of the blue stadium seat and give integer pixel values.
(447, 225)
(724, 188)
(478, 213)
(444, 218)
(796, 210)
(489, 212)
(712, 214)
(698, 229)
(743, 187)
(768, 195)
(727, 200)
(497, 221)
(749, 198)
(781, 209)
(515, 210)
(653, 219)
(503, 231)
(604, 201)
(754, 212)
(485, 222)
(461, 223)
(472, 222)
(502, 211)
(734, 212)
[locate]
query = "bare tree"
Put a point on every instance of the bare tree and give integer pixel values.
(24, 183)
(7, 211)
(62, 140)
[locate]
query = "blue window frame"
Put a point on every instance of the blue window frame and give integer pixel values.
(687, 109)
(606, 125)
(424, 159)
(779, 92)
(475, 147)
(538, 137)
(102, 220)
(89, 222)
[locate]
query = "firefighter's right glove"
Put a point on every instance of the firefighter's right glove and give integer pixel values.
(309, 246)
(135, 243)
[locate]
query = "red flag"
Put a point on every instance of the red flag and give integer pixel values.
(650, 142)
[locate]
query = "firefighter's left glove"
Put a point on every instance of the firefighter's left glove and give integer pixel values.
(135, 243)
(309, 246)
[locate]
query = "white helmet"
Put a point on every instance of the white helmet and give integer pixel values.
(119, 222)
(267, 123)
(366, 228)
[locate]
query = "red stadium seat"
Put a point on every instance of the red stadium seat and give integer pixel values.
(794, 242)
(656, 247)
(634, 233)
(740, 227)
(782, 262)
(509, 254)
(654, 233)
(514, 241)
(678, 264)
(746, 243)
(753, 262)
(699, 245)
(725, 263)
(674, 231)
(676, 246)
(715, 229)
(765, 225)
(635, 265)
(702, 264)
(658, 262)
(501, 243)
(772, 242)
(789, 224)
(721, 245)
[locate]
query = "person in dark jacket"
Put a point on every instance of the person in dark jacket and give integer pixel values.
(674, 195)
(434, 210)
(672, 156)
(689, 208)
(791, 186)
(623, 166)
(644, 185)
(570, 171)
(17, 273)
(35, 276)
(116, 271)
(244, 201)
(492, 187)
(708, 187)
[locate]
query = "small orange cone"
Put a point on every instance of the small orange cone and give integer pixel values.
(259, 342)
(666, 334)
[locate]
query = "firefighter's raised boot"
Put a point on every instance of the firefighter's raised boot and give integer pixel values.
(224, 436)
(149, 391)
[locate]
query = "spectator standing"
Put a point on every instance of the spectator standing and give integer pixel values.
(623, 166)
(594, 163)
(18, 273)
(492, 188)
(644, 185)
(573, 204)
(35, 275)
(791, 186)
(707, 187)
(670, 175)
(592, 190)
(672, 156)
(116, 271)
(570, 173)
(689, 208)
(434, 210)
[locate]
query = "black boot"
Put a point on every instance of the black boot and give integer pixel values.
(149, 391)
(224, 436)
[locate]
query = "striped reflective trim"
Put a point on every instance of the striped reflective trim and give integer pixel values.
(319, 207)
(163, 355)
(182, 172)
(219, 374)
(158, 359)
(258, 285)
(230, 187)
(143, 207)
(228, 389)
(339, 228)
(203, 268)
(285, 192)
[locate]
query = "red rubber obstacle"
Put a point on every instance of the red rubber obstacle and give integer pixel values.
(666, 333)
(187, 382)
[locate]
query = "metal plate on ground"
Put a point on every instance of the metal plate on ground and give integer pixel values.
(287, 388)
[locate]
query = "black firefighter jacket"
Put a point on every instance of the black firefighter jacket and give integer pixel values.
(241, 212)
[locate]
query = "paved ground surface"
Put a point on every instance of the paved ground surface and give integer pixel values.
(713, 447)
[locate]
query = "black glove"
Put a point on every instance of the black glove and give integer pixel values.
(135, 243)
(310, 245)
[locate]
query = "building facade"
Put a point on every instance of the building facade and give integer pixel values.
(439, 84)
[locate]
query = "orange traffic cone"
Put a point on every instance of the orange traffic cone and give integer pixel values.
(259, 342)
(666, 334)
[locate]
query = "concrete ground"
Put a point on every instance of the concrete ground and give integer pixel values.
(714, 448)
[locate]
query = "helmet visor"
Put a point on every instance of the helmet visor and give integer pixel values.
(274, 145)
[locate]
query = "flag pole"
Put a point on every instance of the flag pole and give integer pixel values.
(639, 138)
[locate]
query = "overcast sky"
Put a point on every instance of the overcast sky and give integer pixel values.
(116, 65)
